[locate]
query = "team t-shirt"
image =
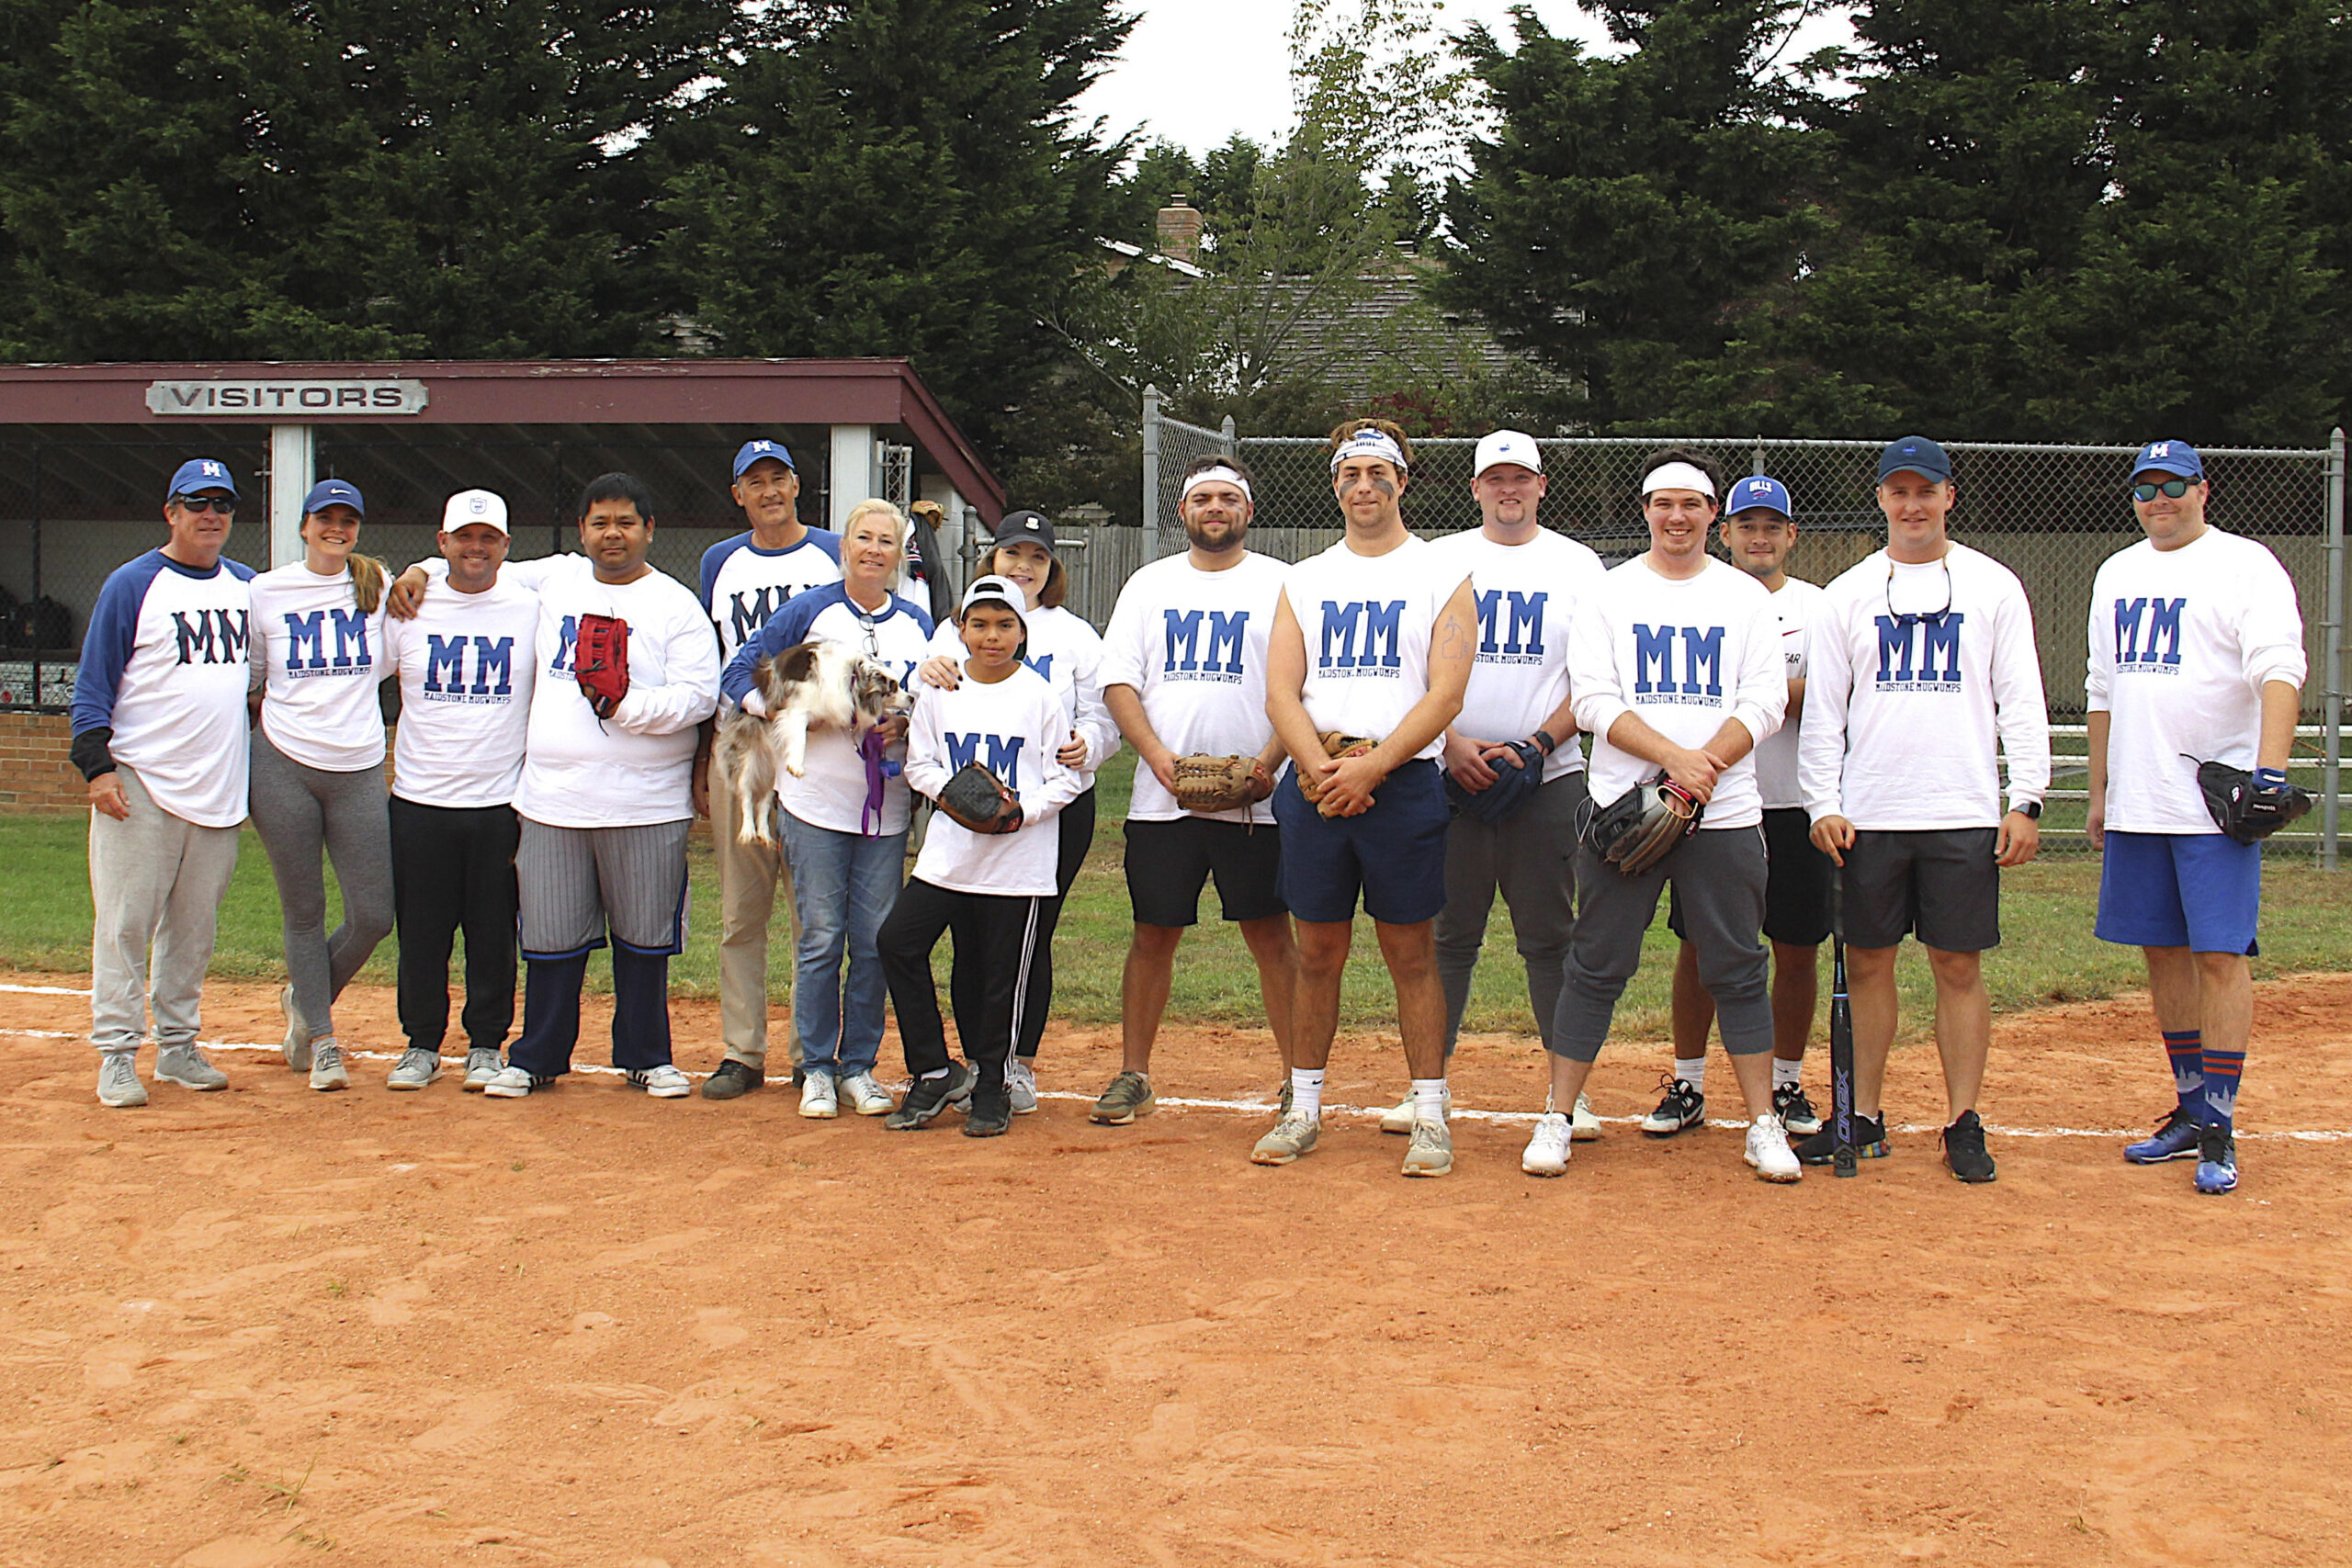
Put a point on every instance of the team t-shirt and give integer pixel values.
(1916, 673)
(1527, 598)
(743, 585)
(833, 790)
(323, 658)
(1367, 621)
(2182, 642)
(1191, 644)
(1793, 604)
(467, 665)
(1068, 652)
(1684, 655)
(1012, 728)
(165, 664)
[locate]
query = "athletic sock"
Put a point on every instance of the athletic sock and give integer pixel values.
(1428, 1100)
(1691, 1070)
(1787, 1075)
(2186, 1053)
(1307, 1093)
(2221, 1071)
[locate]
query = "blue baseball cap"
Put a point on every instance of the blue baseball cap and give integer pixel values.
(1756, 490)
(2170, 458)
(752, 452)
(333, 493)
(201, 474)
(1914, 455)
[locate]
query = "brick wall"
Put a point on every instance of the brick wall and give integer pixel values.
(34, 772)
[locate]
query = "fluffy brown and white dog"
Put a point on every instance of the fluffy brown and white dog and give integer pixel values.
(810, 685)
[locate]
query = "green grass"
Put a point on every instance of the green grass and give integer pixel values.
(2049, 955)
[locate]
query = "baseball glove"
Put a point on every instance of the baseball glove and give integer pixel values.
(600, 662)
(2243, 812)
(978, 798)
(1640, 827)
(1207, 784)
(1338, 746)
(1510, 790)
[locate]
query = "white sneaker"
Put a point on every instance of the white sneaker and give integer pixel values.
(1547, 1151)
(1584, 1122)
(664, 1082)
(119, 1084)
(481, 1067)
(187, 1066)
(1021, 1086)
(866, 1096)
(297, 1044)
(1769, 1152)
(513, 1083)
(819, 1101)
(1432, 1150)
(415, 1069)
(1399, 1117)
(327, 1071)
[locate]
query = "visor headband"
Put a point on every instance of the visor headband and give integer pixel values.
(1677, 476)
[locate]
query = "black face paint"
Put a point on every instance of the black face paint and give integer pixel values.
(1385, 487)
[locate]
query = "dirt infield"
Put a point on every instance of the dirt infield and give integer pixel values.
(272, 1326)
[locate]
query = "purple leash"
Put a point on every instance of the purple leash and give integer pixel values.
(869, 821)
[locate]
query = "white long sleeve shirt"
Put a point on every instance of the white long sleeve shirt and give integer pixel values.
(1068, 652)
(1921, 677)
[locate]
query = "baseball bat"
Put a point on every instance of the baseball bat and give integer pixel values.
(1841, 1033)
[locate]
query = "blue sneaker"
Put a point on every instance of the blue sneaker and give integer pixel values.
(2217, 1160)
(2176, 1135)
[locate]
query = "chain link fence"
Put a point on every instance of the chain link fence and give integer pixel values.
(2050, 513)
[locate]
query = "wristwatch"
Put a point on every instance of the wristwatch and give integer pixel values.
(2030, 809)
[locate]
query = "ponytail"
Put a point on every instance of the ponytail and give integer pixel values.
(366, 582)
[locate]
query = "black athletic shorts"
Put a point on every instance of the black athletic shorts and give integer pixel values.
(1168, 864)
(1796, 883)
(1939, 884)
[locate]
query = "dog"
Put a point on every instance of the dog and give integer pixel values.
(808, 685)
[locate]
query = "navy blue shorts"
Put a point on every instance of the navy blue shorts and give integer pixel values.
(1394, 855)
(2200, 891)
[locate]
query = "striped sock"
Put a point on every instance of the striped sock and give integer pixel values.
(2188, 1054)
(2221, 1071)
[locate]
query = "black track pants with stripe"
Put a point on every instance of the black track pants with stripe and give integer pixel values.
(995, 939)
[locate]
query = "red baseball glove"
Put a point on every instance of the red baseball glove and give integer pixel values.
(600, 662)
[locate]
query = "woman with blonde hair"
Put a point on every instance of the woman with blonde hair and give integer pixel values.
(318, 766)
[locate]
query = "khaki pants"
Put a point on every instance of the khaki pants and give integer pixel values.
(750, 876)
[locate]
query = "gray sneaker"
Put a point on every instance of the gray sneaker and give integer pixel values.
(1020, 1084)
(1293, 1136)
(481, 1067)
(416, 1068)
(119, 1084)
(1128, 1097)
(297, 1038)
(327, 1070)
(185, 1066)
(1432, 1150)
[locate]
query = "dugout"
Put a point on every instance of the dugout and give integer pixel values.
(87, 452)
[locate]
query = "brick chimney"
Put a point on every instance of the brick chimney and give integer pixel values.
(1180, 231)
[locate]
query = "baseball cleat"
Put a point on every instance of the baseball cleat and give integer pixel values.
(1547, 1151)
(1681, 1105)
(1767, 1150)
(1796, 1111)
(2176, 1135)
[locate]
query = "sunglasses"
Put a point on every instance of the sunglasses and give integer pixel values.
(2173, 488)
(220, 503)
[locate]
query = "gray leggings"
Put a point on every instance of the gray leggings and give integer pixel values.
(300, 813)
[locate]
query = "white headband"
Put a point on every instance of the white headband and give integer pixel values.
(1369, 442)
(1678, 476)
(1216, 476)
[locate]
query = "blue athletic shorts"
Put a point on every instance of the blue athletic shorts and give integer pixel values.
(1394, 855)
(2200, 891)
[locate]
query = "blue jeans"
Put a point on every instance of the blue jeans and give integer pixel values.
(842, 887)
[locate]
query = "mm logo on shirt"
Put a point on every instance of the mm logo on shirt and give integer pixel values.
(1003, 758)
(1701, 664)
(445, 667)
(1225, 631)
(2147, 635)
(351, 655)
(1911, 649)
(749, 611)
(218, 637)
(1365, 636)
(1521, 641)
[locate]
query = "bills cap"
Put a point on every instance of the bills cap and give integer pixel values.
(1914, 455)
(1759, 490)
(1506, 446)
(2170, 458)
(992, 590)
(484, 506)
(333, 493)
(752, 452)
(1034, 526)
(200, 474)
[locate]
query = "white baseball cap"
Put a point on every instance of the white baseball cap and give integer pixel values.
(474, 506)
(1508, 446)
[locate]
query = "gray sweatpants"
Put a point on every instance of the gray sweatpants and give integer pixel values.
(157, 881)
(1531, 858)
(1718, 872)
(303, 814)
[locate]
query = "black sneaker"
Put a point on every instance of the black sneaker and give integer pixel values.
(926, 1098)
(1869, 1141)
(733, 1080)
(1965, 1149)
(1683, 1106)
(989, 1113)
(1796, 1111)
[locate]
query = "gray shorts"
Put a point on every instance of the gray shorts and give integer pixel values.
(573, 882)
